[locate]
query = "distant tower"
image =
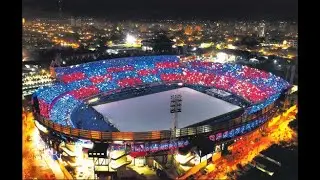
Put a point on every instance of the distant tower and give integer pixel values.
(290, 73)
(60, 4)
(55, 63)
(293, 72)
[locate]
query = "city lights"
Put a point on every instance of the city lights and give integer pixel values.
(84, 115)
(205, 45)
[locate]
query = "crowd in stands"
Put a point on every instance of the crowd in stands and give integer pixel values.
(62, 108)
(256, 107)
(133, 92)
(85, 117)
(235, 100)
(239, 130)
(258, 87)
(68, 78)
(48, 94)
(84, 92)
(252, 84)
(80, 81)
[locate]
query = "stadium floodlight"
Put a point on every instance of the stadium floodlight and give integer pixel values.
(222, 57)
(130, 39)
(175, 103)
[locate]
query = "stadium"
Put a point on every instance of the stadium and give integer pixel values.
(124, 105)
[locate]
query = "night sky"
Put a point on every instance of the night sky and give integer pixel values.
(164, 9)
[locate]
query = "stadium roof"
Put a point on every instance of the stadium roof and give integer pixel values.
(152, 112)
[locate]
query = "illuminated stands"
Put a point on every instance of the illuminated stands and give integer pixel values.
(253, 88)
(100, 78)
(85, 117)
(93, 78)
(252, 84)
(62, 108)
(72, 77)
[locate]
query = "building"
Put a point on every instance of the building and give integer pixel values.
(78, 23)
(293, 43)
(75, 22)
(160, 45)
(262, 29)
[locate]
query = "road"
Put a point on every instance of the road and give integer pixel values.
(37, 162)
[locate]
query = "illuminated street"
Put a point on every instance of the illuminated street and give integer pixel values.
(37, 163)
(145, 171)
(248, 147)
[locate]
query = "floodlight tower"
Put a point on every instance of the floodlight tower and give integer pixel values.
(175, 108)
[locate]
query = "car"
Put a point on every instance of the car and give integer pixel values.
(192, 177)
(161, 174)
(29, 138)
(204, 171)
(80, 174)
(52, 176)
(239, 166)
(28, 108)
